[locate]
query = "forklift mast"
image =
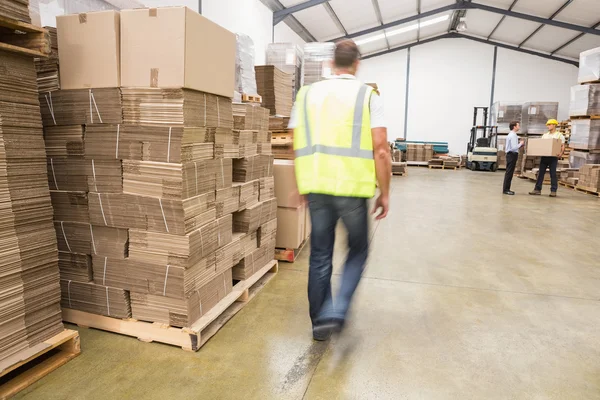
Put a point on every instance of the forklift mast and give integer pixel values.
(481, 134)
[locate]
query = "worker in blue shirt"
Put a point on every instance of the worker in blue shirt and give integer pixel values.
(513, 145)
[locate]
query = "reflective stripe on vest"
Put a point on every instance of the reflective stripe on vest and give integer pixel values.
(354, 151)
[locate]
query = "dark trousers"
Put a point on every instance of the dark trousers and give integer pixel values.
(325, 211)
(511, 164)
(552, 163)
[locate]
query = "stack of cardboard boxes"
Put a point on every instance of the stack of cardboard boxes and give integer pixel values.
(292, 214)
(289, 58)
(29, 281)
(416, 152)
(275, 87)
(160, 204)
(589, 177)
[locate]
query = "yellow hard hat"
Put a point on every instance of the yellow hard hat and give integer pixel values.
(552, 122)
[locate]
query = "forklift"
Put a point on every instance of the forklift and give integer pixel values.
(480, 155)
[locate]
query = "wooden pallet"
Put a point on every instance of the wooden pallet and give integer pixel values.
(23, 38)
(248, 98)
(588, 190)
(192, 338)
(417, 163)
(586, 117)
(399, 173)
(442, 167)
(28, 366)
(566, 184)
(282, 139)
(289, 255)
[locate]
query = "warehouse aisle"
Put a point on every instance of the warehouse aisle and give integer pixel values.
(467, 294)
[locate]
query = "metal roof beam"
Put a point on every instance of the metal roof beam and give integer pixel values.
(454, 35)
(380, 18)
(574, 39)
(292, 22)
(502, 20)
(542, 25)
(418, 13)
(279, 15)
(335, 18)
(415, 17)
(527, 17)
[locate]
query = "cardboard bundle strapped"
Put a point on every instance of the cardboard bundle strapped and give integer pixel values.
(289, 58)
(504, 113)
(29, 276)
(275, 87)
(419, 152)
(535, 115)
(154, 168)
(317, 64)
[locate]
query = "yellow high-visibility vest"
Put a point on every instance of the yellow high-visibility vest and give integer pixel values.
(332, 139)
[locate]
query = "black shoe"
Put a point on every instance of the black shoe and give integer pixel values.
(509, 192)
(323, 331)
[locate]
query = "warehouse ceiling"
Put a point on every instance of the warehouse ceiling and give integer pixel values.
(556, 29)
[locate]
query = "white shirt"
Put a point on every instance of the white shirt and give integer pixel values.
(375, 106)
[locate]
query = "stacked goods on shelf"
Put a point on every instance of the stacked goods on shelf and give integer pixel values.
(416, 152)
(501, 146)
(47, 68)
(15, 9)
(293, 225)
(281, 138)
(287, 57)
(589, 177)
(29, 277)
(275, 88)
(245, 79)
(504, 113)
(589, 66)
(318, 60)
(535, 115)
(154, 168)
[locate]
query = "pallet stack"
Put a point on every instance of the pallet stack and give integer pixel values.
(419, 153)
(160, 204)
(535, 115)
(504, 113)
(289, 58)
(318, 62)
(29, 281)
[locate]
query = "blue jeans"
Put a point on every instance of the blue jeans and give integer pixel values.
(325, 211)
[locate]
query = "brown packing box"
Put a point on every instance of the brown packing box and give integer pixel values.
(88, 49)
(291, 229)
(173, 47)
(285, 183)
(543, 147)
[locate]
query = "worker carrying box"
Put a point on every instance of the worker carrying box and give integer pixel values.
(550, 147)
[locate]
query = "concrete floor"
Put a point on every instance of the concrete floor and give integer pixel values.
(468, 294)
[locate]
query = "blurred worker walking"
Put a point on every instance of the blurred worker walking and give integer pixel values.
(549, 162)
(341, 150)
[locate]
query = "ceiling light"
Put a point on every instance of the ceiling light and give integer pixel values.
(402, 30)
(462, 25)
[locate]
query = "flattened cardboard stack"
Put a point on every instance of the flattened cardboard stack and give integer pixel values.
(589, 177)
(535, 115)
(419, 152)
(275, 87)
(289, 58)
(504, 113)
(154, 168)
(317, 62)
(48, 68)
(15, 9)
(29, 281)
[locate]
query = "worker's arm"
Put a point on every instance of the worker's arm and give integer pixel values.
(383, 169)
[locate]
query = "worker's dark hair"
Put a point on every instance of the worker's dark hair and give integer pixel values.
(513, 124)
(346, 53)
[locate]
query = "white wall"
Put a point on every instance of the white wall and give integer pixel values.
(451, 76)
(522, 78)
(244, 16)
(389, 72)
(285, 34)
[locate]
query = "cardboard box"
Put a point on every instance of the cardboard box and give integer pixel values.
(290, 227)
(544, 147)
(89, 50)
(285, 183)
(173, 47)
